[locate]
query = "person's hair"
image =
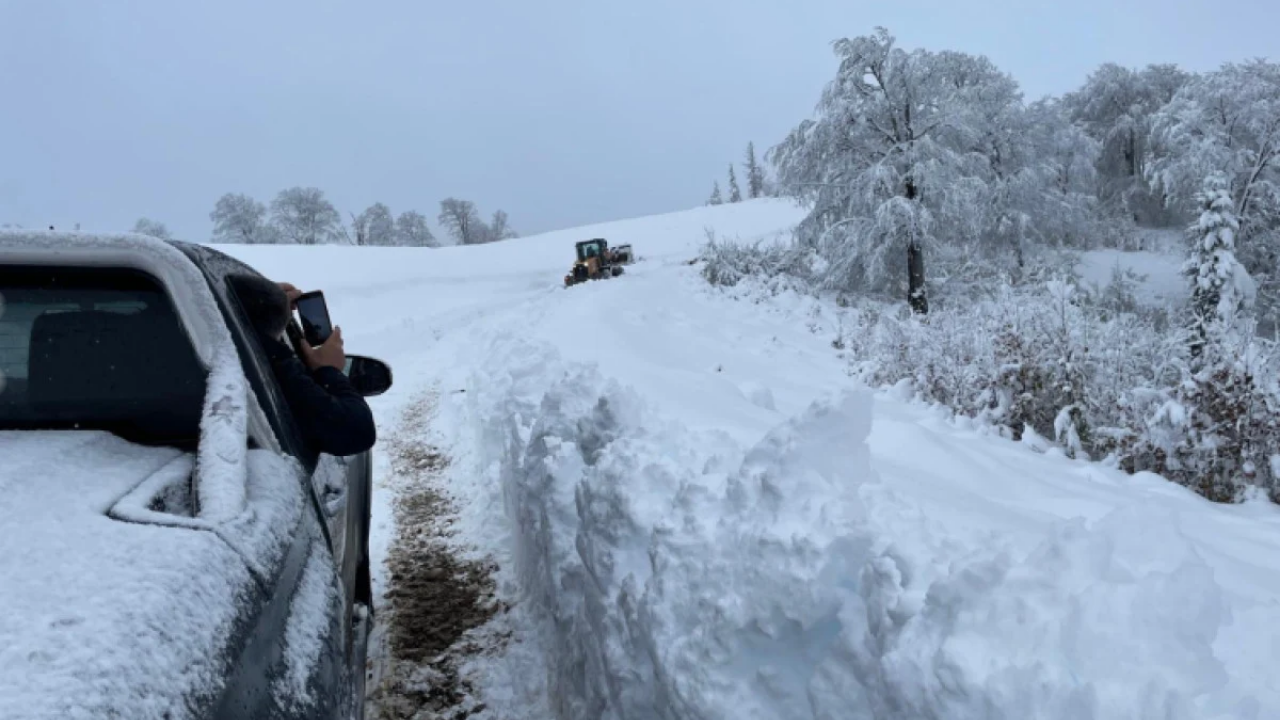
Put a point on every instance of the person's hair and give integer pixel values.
(264, 301)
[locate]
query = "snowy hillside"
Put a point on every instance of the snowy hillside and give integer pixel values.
(695, 512)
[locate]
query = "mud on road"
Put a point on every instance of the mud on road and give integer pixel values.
(435, 599)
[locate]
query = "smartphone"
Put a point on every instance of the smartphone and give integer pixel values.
(316, 327)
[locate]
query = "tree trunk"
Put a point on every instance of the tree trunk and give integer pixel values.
(915, 279)
(916, 297)
(1132, 154)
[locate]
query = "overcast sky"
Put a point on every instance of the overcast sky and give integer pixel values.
(562, 112)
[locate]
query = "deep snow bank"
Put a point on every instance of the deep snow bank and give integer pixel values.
(679, 575)
(969, 577)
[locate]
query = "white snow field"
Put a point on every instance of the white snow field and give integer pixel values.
(698, 514)
(1158, 266)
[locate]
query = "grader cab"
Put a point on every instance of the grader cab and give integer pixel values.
(596, 261)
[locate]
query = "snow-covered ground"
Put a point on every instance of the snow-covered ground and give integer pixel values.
(1161, 282)
(696, 513)
(1157, 264)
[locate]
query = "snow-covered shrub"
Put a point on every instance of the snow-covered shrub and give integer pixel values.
(1019, 360)
(1107, 385)
(965, 275)
(725, 263)
(1119, 296)
(1214, 429)
(1229, 432)
(1102, 382)
(1095, 371)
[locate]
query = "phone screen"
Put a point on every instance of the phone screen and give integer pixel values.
(316, 327)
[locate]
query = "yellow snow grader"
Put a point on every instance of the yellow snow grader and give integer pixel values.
(597, 261)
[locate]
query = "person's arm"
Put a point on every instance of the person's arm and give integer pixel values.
(333, 416)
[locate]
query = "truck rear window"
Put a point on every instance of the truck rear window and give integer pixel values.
(96, 348)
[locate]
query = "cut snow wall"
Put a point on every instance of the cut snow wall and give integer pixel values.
(679, 577)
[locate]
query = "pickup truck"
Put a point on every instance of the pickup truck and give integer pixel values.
(169, 547)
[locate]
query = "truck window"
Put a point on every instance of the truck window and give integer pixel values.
(221, 269)
(96, 349)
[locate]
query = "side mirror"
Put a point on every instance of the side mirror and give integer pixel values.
(370, 377)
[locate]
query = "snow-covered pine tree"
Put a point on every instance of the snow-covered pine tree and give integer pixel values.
(716, 198)
(735, 194)
(1227, 429)
(1219, 283)
(755, 174)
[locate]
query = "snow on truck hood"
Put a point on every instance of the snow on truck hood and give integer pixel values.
(103, 617)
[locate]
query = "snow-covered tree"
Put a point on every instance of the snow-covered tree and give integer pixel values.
(1220, 286)
(1226, 121)
(412, 230)
(147, 226)
(1065, 149)
(357, 234)
(238, 218)
(735, 193)
(755, 173)
(1044, 190)
(462, 221)
(1116, 107)
(902, 145)
(500, 227)
(716, 198)
(302, 215)
(375, 226)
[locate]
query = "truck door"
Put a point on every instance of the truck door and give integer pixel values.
(330, 477)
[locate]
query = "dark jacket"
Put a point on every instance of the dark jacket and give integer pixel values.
(333, 417)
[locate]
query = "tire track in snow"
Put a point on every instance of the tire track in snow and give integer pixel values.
(435, 598)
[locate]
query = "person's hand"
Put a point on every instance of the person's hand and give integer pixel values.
(329, 354)
(292, 292)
